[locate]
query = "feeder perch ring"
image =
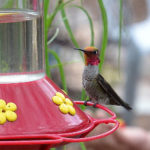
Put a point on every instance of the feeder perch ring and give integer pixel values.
(71, 136)
(94, 122)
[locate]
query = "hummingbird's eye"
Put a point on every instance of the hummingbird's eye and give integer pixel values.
(95, 52)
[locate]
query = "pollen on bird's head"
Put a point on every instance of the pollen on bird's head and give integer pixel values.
(90, 49)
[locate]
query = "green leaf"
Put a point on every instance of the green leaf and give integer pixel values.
(90, 22)
(81, 2)
(53, 37)
(105, 32)
(82, 146)
(120, 32)
(61, 69)
(53, 149)
(46, 7)
(64, 147)
(83, 98)
(9, 4)
(59, 6)
(69, 30)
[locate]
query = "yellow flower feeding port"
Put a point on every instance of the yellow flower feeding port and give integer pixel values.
(65, 104)
(7, 112)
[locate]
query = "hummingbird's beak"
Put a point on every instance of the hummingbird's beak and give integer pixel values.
(80, 49)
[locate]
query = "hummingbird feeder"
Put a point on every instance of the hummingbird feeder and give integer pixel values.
(35, 114)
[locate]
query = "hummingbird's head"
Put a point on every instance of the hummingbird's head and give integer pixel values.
(91, 55)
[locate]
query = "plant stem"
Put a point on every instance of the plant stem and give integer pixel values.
(82, 146)
(69, 30)
(53, 149)
(61, 69)
(105, 33)
(9, 4)
(46, 6)
(90, 22)
(120, 32)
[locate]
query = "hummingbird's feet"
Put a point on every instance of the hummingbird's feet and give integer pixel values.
(95, 105)
(85, 103)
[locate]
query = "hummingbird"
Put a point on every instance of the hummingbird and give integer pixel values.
(96, 87)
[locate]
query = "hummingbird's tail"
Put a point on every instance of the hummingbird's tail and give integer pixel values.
(120, 102)
(126, 105)
(114, 99)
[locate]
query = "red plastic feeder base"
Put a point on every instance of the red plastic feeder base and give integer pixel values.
(40, 124)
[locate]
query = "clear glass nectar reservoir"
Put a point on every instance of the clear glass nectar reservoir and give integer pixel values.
(21, 44)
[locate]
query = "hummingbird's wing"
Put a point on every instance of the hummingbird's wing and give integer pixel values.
(114, 98)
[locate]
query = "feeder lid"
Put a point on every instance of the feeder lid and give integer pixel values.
(36, 111)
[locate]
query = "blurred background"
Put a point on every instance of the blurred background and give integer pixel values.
(127, 69)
